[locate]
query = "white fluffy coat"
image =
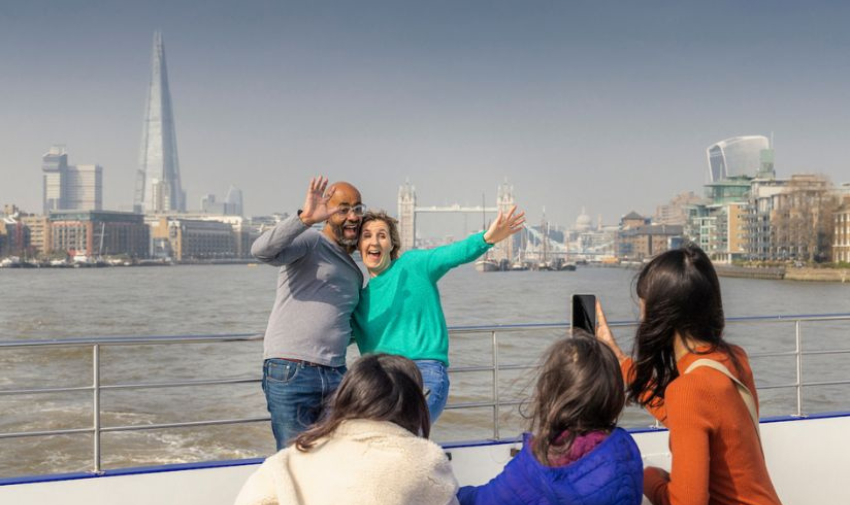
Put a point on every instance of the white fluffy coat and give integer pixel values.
(362, 462)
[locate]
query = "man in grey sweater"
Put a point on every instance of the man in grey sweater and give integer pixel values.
(317, 290)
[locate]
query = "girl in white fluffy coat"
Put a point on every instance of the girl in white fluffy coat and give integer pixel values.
(372, 447)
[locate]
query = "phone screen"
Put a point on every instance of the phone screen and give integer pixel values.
(584, 313)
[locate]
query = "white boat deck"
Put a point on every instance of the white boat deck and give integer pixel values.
(808, 460)
(808, 457)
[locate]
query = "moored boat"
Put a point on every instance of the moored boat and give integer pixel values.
(519, 265)
(10, 262)
(486, 265)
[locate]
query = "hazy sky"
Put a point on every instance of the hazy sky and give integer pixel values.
(607, 105)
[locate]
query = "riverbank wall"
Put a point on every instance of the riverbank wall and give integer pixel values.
(818, 274)
(788, 274)
(770, 273)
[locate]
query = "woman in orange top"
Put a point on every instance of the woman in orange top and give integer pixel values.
(717, 455)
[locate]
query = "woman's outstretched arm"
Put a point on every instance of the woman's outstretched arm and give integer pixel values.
(443, 259)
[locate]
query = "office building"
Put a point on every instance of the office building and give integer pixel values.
(181, 239)
(638, 239)
(720, 230)
(647, 241)
(209, 205)
(736, 156)
(55, 167)
(158, 187)
(231, 206)
(98, 233)
(40, 233)
(233, 200)
(802, 221)
(84, 188)
(70, 187)
(675, 212)
(14, 237)
(762, 198)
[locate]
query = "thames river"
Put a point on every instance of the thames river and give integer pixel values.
(192, 300)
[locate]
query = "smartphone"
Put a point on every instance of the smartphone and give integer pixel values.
(584, 313)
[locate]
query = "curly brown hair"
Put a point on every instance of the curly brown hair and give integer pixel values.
(392, 224)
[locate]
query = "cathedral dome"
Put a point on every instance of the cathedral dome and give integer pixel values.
(583, 221)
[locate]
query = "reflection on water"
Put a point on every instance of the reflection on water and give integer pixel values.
(41, 304)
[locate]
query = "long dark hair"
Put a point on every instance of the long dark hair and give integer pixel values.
(379, 387)
(681, 293)
(579, 389)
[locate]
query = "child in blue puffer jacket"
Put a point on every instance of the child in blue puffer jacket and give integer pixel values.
(574, 453)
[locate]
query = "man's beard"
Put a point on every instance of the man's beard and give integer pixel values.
(339, 233)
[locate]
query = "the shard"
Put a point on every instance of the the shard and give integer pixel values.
(158, 186)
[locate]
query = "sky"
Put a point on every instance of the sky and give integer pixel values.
(596, 104)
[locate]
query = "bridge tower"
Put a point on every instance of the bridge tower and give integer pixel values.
(504, 202)
(407, 216)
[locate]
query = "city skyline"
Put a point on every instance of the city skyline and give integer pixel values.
(576, 105)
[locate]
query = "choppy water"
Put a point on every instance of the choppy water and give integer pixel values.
(47, 304)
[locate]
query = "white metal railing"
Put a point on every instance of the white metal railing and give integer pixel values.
(495, 402)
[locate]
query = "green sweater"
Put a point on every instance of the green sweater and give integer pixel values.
(400, 311)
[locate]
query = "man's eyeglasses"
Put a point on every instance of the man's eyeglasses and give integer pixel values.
(358, 210)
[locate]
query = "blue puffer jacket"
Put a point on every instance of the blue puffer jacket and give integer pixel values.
(610, 474)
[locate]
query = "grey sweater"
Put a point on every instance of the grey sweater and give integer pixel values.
(318, 288)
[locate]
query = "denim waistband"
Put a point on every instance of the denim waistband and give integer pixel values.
(303, 362)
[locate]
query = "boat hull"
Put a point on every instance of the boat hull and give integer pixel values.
(486, 266)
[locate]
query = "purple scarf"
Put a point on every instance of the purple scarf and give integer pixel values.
(582, 445)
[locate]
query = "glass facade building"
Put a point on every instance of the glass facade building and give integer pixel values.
(55, 167)
(70, 187)
(736, 156)
(158, 186)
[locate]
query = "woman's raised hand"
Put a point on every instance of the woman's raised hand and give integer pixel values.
(504, 226)
(603, 333)
(316, 204)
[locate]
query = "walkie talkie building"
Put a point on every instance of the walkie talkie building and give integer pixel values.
(736, 156)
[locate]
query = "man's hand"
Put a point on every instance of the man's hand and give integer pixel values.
(504, 226)
(316, 204)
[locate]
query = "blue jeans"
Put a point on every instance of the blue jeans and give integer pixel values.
(435, 378)
(295, 395)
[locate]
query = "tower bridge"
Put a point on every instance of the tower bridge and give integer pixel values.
(408, 210)
(457, 208)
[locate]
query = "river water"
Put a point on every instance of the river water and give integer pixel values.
(183, 300)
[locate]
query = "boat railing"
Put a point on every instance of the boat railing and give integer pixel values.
(494, 368)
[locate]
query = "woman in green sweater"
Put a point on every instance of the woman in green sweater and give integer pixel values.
(400, 311)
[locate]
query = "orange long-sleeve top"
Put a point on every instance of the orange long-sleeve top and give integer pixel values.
(717, 458)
